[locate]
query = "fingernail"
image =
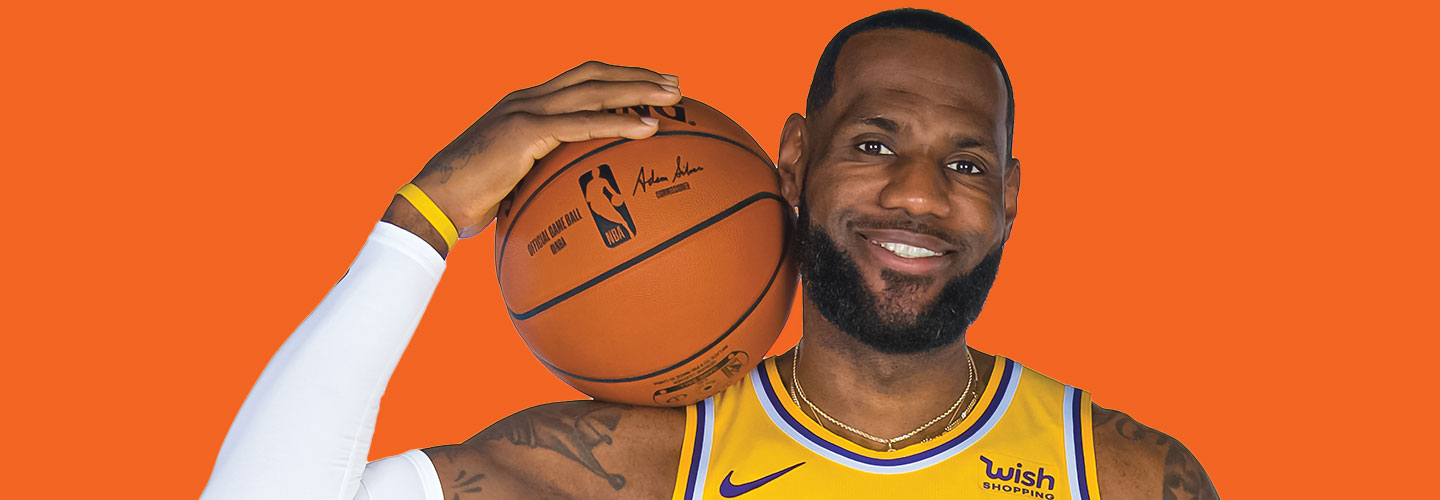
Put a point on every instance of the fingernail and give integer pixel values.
(650, 122)
(672, 78)
(671, 89)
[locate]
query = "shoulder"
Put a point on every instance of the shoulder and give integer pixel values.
(1135, 461)
(575, 449)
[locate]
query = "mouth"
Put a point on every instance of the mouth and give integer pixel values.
(905, 251)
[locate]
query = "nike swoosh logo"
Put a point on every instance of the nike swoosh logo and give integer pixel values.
(729, 490)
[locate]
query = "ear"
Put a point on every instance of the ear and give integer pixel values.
(1012, 195)
(792, 160)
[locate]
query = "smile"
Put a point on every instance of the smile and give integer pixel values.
(906, 251)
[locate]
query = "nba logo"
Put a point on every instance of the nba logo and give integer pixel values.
(611, 216)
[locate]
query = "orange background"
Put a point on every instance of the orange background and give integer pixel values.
(1226, 225)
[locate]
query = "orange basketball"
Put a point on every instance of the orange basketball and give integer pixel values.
(653, 272)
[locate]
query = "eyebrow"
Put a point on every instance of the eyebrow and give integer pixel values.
(961, 142)
(881, 123)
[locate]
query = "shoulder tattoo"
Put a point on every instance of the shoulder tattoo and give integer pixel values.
(574, 435)
(1182, 476)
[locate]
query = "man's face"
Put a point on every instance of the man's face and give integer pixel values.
(908, 187)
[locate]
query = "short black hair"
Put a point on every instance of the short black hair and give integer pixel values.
(822, 88)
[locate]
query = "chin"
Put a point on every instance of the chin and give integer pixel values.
(894, 304)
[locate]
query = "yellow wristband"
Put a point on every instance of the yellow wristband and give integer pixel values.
(432, 213)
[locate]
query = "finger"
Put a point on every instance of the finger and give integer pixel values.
(596, 95)
(596, 70)
(485, 219)
(551, 130)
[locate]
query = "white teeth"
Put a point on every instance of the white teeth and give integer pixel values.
(906, 251)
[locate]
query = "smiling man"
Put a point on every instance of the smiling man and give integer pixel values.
(902, 173)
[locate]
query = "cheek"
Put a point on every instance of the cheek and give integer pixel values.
(983, 215)
(980, 222)
(838, 186)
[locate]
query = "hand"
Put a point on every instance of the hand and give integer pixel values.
(469, 177)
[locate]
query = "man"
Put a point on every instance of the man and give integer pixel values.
(907, 192)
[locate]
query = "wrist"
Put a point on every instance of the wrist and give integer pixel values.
(404, 215)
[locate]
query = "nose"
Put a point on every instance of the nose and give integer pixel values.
(917, 187)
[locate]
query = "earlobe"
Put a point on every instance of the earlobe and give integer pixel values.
(791, 158)
(1012, 195)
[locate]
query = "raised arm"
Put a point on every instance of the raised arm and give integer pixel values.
(470, 177)
(304, 430)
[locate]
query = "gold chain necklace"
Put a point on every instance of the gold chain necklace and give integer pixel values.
(889, 443)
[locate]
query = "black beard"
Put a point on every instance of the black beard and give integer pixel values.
(833, 283)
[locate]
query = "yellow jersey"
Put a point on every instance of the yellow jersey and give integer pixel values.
(1027, 437)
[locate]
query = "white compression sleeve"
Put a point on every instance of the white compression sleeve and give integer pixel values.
(304, 431)
(407, 476)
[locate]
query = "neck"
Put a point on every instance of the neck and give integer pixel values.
(885, 395)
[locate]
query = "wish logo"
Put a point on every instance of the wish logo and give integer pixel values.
(602, 195)
(1018, 480)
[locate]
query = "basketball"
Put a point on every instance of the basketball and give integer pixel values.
(652, 272)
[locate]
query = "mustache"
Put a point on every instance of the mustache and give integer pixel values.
(904, 223)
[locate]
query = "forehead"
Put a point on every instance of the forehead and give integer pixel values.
(900, 71)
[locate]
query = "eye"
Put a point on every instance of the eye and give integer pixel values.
(964, 167)
(874, 148)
